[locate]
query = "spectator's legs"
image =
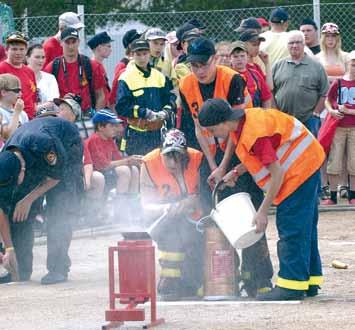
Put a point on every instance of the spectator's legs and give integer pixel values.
(335, 163)
(123, 180)
(97, 185)
(351, 163)
(134, 183)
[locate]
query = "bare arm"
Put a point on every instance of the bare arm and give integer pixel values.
(267, 104)
(276, 180)
(88, 171)
(100, 98)
(320, 105)
(204, 146)
(227, 154)
(9, 129)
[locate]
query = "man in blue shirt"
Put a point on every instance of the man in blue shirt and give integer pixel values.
(35, 159)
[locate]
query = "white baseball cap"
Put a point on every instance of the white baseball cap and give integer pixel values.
(70, 19)
(155, 33)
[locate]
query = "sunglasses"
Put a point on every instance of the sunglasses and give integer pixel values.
(15, 90)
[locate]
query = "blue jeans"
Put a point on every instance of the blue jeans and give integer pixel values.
(313, 125)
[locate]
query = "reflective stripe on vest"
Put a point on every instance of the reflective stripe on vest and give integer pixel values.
(297, 131)
(299, 153)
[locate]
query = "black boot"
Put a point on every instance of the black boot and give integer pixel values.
(312, 291)
(278, 293)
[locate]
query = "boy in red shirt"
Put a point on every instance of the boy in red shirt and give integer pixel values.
(119, 172)
(256, 84)
(16, 46)
(342, 107)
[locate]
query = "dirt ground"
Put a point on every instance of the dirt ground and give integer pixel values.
(81, 302)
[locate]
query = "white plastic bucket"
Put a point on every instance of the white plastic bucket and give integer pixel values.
(234, 216)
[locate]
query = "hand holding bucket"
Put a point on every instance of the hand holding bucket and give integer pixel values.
(234, 215)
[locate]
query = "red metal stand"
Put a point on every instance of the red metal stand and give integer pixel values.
(137, 283)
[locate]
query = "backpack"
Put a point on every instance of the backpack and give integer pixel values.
(85, 62)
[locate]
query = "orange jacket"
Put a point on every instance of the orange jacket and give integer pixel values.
(299, 153)
(190, 88)
(166, 184)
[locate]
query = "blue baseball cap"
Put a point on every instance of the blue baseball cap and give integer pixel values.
(200, 50)
(279, 15)
(106, 116)
(10, 167)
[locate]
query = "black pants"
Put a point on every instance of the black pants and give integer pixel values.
(179, 237)
(23, 239)
(63, 203)
(256, 269)
(22, 233)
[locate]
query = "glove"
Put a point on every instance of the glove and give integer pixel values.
(150, 115)
(10, 263)
(162, 115)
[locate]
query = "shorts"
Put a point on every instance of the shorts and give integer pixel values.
(111, 178)
(343, 144)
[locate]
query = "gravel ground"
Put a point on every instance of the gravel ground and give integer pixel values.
(81, 302)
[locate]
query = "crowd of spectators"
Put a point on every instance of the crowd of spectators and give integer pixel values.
(264, 66)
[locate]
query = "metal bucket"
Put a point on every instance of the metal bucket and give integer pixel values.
(234, 216)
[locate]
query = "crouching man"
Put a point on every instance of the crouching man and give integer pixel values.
(170, 182)
(283, 158)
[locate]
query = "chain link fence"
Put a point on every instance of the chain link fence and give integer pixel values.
(220, 23)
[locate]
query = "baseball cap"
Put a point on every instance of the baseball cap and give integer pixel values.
(174, 140)
(74, 106)
(106, 116)
(262, 21)
(200, 50)
(16, 36)
(309, 21)
(190, 35)
(154, 34)
(139, 44)
(184, 28)
(171, 37)
(216, 111)
(69, 33)
(330, 28)
(250, 35)
(10, 167)
(70, 19)
(129, 37)
(197, 24)
(249, 23)
(278, 15)
(238, 45)
(46, 110)
(99, 39)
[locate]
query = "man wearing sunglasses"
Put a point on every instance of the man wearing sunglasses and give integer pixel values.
(16, 46)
